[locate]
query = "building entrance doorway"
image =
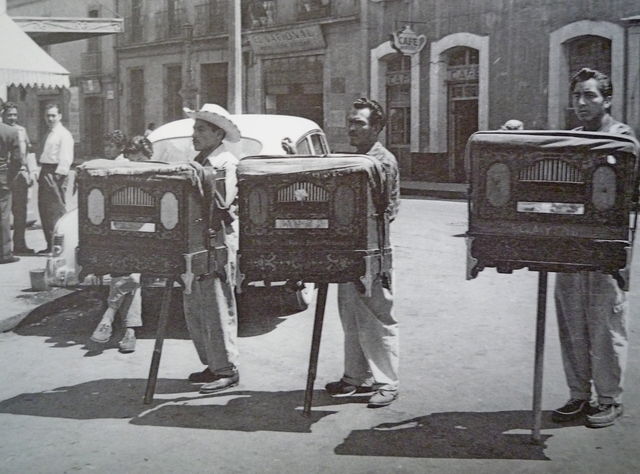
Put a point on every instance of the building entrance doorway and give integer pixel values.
(462, 106)
(94, 129)
(398, 137)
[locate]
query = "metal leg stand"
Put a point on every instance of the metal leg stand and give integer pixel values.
(539, 360)
(157, 350)
(315, 346)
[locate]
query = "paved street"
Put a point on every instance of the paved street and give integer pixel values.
(466, 385)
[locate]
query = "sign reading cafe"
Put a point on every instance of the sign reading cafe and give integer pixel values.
(406, 41)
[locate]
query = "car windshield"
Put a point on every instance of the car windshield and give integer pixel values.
(173, 150)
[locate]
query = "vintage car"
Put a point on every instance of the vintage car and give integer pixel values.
(261, 134)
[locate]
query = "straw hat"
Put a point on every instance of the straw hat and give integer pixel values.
(217, 115)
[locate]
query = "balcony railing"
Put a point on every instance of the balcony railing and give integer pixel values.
(211, 18)
(169, 24)
(312, 9)
(259, 13)
(264, 13)
(91, 63)
(135, 31)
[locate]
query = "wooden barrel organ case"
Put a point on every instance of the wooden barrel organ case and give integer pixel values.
(148, 217)
(315, 219)
(552, 201)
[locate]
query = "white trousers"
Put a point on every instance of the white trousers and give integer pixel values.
(592, 322)
(371, 338)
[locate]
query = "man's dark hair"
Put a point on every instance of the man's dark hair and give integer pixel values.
(584, 74)
(116, 137)
(138, 144)
(378, 116)
(8, 105)
(52, 105)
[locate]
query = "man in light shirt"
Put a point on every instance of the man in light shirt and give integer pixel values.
(55, 162)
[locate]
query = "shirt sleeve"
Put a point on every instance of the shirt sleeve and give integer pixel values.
(230, 183)
(65, 157)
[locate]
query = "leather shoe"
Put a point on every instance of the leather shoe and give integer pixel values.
(222, 382)
(204, 376)
(45, 252)
(23, 251)
(9, 259)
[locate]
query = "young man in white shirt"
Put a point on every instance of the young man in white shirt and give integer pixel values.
(55, 163)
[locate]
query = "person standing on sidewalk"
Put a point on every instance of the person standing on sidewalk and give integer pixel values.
(22, 182)
(591, 308)
(371, 337)
(210, 310)
(55, 162)
(10, 162)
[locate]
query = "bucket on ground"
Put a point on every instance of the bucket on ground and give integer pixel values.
(38, 280)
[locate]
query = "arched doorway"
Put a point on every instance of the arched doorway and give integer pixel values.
(462, 104)
(398, 106)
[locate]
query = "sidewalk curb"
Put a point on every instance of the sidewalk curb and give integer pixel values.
(433, 193)
(54, 299)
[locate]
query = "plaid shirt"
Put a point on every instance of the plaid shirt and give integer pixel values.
(390, 166)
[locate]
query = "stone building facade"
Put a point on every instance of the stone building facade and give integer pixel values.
(487, 61)
(298, 57)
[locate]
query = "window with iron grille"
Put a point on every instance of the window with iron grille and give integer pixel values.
(136, 101)
(172, 98)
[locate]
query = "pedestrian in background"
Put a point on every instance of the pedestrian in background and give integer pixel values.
(512, 124)
(150, 128)
(124, 289)
(371, 337)
(55, 163)
(114, 144)
(591, 308)
(23, 181)
(10, 163)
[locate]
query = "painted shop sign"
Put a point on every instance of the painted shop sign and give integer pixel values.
(406, 41)
(295, 39)
(462, 73)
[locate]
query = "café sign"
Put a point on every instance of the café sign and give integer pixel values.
(286, 41)
(406, 41)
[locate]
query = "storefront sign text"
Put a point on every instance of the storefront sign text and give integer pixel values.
(463, 73)
(296, 39)
(406, 41)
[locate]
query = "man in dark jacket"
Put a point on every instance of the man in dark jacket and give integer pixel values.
(10, 164)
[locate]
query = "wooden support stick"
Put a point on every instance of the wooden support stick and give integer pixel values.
(539, 360)
(157, 350)
(315, 346)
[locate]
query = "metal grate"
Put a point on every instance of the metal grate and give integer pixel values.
(132, 197)
(552, 171)
(302, 191)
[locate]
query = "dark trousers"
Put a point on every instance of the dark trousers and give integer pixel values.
(19, 197)
(51, 205)
(5, 223)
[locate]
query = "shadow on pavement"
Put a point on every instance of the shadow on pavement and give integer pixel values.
(458, 435)
(70, 320)
(177, 404)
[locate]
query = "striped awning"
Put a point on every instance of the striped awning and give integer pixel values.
(24, 63)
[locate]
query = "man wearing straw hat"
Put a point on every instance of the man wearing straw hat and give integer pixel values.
(210, 309)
